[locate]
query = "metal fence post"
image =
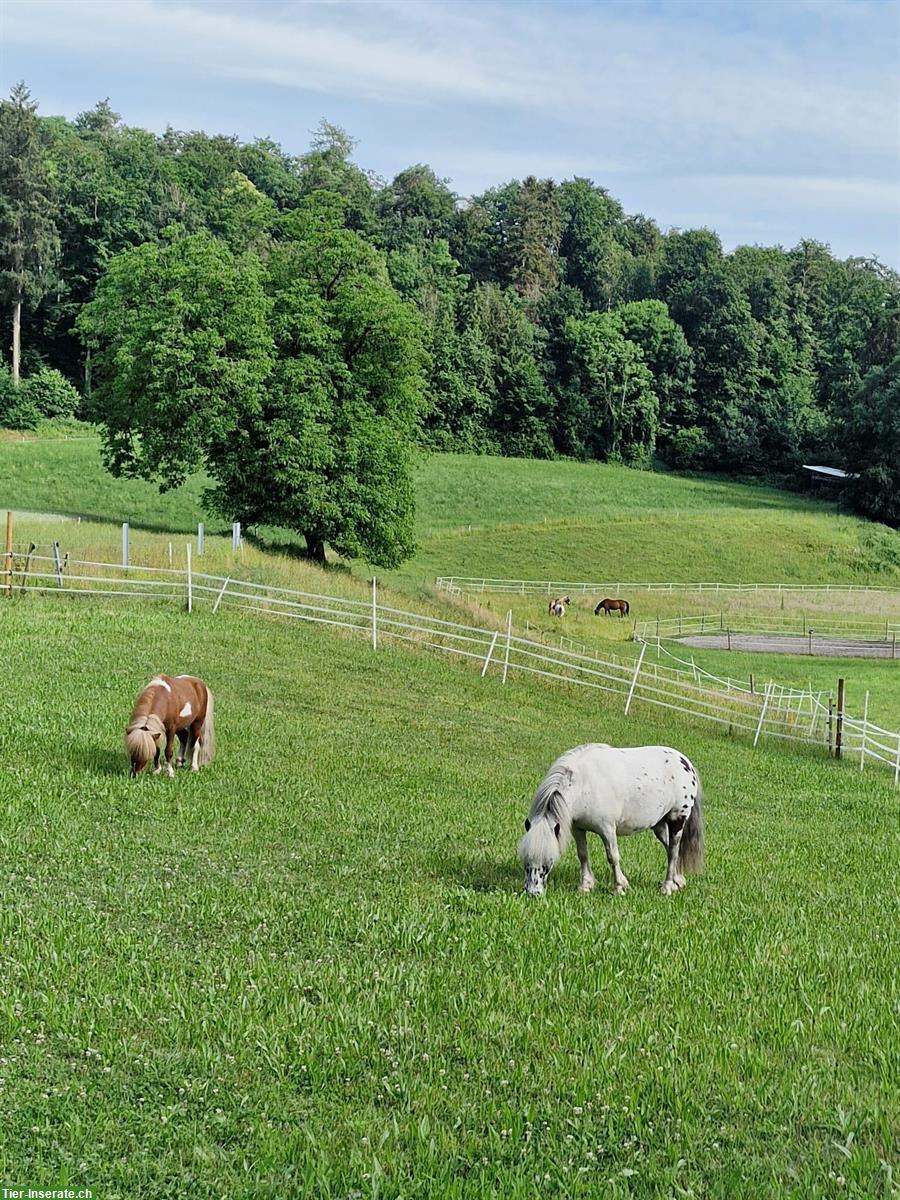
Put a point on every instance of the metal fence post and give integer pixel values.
(862, 748)
(190, 581)
(839, 725)
(57, 564)
(201, 539)
(125, 544)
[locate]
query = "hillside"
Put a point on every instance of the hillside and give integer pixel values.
(518, 518)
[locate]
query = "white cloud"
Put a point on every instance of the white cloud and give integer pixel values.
(661, 81)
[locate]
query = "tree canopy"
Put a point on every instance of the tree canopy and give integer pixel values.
(297, 324)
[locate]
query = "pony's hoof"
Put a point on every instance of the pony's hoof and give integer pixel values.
(669, 888)
(170, 770)
(157, 770)
(194, 768)
(680, 881)
(621, 888)
(587, 885)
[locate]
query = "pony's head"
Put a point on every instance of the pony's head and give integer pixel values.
(540, 850)
(142, 740)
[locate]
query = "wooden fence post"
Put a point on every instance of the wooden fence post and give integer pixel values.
(31, 550)
(839, 724)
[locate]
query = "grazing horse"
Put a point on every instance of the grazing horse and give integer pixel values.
(607, 791)
(171, 706)
(608, 606)
(557, 607)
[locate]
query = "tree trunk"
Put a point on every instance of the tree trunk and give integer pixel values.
(315, 548)
(16, 339)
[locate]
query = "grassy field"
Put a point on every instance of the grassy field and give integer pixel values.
(310, 971)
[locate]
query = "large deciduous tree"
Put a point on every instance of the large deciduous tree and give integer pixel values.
(29, 242)
(296, 382)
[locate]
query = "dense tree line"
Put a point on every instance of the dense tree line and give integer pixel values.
(240, 306)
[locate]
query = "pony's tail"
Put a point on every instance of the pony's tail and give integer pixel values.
(140, 740)
(627, 608)
(207, 734)
(691, 852)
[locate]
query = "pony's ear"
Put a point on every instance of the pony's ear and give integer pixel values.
(556, 830)
(527, 824)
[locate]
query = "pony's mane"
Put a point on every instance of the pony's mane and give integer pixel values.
(548, 809)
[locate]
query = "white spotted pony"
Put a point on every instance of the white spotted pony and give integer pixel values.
(557, 607)
(171, 706)
(607, 791)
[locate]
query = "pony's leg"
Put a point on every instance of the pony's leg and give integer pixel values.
(620, 883)
(182, 747)
(170, 746)
(195, 746)
(157, 765)
(674, 880)
(588, 882)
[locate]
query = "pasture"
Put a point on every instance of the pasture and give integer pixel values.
(310, 970)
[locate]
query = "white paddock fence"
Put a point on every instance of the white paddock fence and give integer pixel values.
(472, 585)
(770, 711)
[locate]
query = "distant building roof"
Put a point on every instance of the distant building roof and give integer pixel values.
(829, 472)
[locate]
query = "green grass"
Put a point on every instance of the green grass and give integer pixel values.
(310, 971)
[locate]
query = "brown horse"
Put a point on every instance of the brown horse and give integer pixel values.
(557, 607)
(171, 706)
(608, 606)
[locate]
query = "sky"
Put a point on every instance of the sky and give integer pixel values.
(768, 120)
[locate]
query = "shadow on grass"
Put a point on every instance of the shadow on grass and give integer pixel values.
(481, 876)
(99, 760)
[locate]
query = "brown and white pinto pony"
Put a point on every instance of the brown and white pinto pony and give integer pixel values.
(557, 607)
(608, 606)
(171, 706)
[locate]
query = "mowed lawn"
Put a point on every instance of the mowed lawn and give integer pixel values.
(310, 970)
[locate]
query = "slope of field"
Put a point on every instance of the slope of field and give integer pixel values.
(310, 969)
(520, 518)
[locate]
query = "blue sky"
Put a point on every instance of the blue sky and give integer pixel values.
(767, 121)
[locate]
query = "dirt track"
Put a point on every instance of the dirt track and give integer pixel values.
(767, 643)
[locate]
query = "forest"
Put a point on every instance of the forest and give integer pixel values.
(538, 319)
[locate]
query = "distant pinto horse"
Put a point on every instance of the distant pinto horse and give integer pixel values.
(611, 792)
(171, 706)
(608, 606)
(557, 607)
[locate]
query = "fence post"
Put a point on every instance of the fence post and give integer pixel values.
(190, 581)
(31, 549)
(810, 641)
(221, 594)
(762, 712)
(862, 748)
(897, 767)
(57, 564)
(200, 539)
(487, 660)
(8, 570)
(236, 536)
(508, 640)
(125, 544)
(374, 613)
(634, 680)
(839, 727)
